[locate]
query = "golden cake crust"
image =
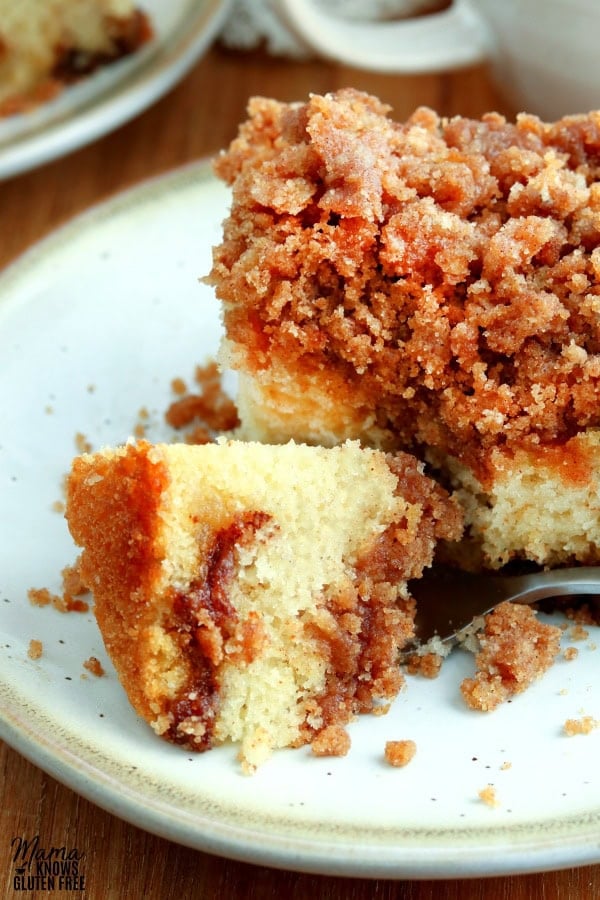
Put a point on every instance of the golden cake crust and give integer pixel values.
(122, 559)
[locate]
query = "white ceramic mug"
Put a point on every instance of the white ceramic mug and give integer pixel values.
(545, 54)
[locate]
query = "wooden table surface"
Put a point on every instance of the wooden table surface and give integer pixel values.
(197, 118)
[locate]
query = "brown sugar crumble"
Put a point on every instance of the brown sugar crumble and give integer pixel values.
(585, 725)
(445, 269)
(333, 740)
(35, 650)
(94, 666)
(428, 665)
(205, 413)
(516, 649)
(399, 753)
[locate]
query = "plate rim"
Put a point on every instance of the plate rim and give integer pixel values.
(414, 860)
(559, 847)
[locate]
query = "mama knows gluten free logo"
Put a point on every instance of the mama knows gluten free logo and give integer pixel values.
(37, 868)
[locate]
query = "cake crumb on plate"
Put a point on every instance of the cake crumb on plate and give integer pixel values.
(94, 666)
(585, 725)
(334, 740)
(489, 796)
(35, 650)
(399, 753)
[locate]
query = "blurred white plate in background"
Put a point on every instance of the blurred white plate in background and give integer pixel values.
(82, 112)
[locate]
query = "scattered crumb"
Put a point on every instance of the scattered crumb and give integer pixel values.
(505, 765)
(578, 633)
(426, 664)
(199, 435)
(209, 412)
(585, 725)
(516, 649)
(140, 427)
(571, 653)
(399, 753)
(35, 649)
(66, 604)
(73, 589)
(94, 666)
(40, 596)
(58, 506)
(333, 740)
(489, 796)
(563, 692)
(91, 388)
(49, 410)
(584, 614)
(69, 601)
(82, 443)
(71, 580)
(179, 387)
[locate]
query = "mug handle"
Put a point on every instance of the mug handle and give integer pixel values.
(450, 39)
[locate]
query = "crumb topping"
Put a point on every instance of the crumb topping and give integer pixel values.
(207, 412)
(585, 725)
(65, 602)
(94, 666)
(399, 753)
(516, 649)
(489, 796)
(447, 268)
(35, 650)
(428, 665)
(333, 740)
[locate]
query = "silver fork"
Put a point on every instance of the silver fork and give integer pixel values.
(448, 599)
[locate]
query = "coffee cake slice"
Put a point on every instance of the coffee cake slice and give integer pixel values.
(254, 593)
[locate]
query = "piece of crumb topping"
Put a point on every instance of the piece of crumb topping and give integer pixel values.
(399, 753)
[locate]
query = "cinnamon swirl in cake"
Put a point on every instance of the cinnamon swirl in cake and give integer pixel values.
(254, 593)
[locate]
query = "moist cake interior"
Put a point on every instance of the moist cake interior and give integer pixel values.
(255, 593)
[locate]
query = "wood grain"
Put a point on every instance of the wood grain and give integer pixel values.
(195, 120)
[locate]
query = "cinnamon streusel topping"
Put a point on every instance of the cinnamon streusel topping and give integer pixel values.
(448, 269)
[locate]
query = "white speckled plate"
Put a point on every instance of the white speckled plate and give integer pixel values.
(94, 324)
(113, 95)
